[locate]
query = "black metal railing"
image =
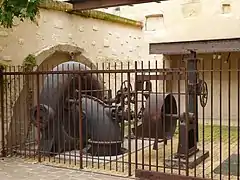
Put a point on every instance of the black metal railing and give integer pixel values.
(182, 120)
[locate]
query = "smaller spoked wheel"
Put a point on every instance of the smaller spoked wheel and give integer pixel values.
(125, 85)
(203, 93)
(125, 88)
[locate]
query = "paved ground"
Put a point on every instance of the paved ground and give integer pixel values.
(18, 169)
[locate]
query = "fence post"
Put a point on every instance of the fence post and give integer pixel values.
(3, 151)
(38, 118)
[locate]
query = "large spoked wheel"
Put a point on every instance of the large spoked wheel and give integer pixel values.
(203, 93)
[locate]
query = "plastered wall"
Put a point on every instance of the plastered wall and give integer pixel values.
(185, 20)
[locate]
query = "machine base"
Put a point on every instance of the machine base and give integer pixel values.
(193, 160)
(100, 148)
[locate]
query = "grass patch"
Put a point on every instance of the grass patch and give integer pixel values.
(208, 133)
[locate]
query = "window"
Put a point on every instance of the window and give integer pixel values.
(153, 22)
(226, 8)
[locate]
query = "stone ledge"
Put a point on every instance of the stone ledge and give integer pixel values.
(68, 8)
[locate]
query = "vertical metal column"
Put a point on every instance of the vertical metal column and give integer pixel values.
(193, 80)
(188, 137)
(188, 120)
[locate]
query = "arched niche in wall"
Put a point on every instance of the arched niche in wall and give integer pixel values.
(154, 22)
(46, 59)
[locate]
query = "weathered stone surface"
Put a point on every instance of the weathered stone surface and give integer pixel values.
(81, 29)
(95, 28)
(20, 41)
(93, 43)
(106, 43)
(3, 33)
(58, 24)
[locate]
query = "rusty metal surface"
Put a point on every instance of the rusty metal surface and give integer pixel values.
(150, 175)
(201, 46)
(154, 119)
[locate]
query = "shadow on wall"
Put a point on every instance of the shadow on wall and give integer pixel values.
(19, 121)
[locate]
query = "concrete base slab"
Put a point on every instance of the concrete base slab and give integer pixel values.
(75, 154)
(193, 160)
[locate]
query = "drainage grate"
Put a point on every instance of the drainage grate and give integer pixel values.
(234, 166)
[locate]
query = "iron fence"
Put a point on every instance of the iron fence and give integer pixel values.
(119, 118)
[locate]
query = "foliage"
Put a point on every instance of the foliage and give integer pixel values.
(22, 9)
(29, 62)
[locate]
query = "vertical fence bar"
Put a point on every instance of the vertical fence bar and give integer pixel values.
(136, 117)
(122, 119)
(48, 108)
(179, 112)
(43, 130)
(38, 118)
(142, 99)
(220, 99)
(6, 109)
(91, 94)
(24, 89)
(80, 120)
(58, 117)
(3, 152)
(86, 122)
(74, 94)
(171, 120)
(195, 110)
(35, 127)
(149, 123)
(238, 117)
(54, 124)
(108, 98)
(103, 115)
(19, 131)
(98, 161)
(63, 115)
(115, 87)
(164, 117)
(211, 116)
(69, 117)
(187, 110)
(203, 119)
(229, 114)
(11, 106)
(28, 106)
(129, 124)
(156, 104)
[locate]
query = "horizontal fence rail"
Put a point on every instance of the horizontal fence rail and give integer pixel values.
(144, 117)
